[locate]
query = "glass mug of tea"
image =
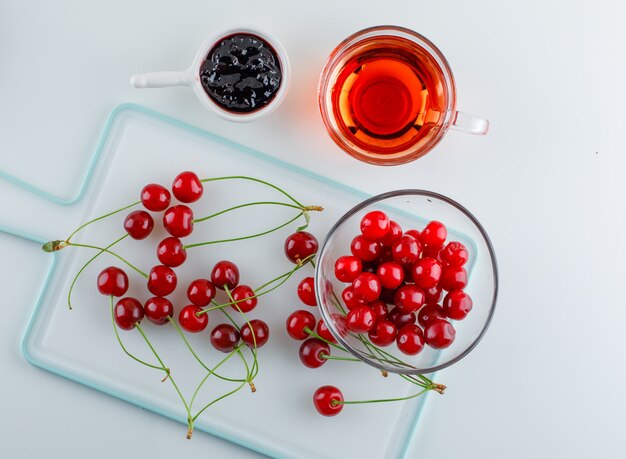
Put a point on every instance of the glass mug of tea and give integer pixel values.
(387, 96)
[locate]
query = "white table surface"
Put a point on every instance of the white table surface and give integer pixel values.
(549, 378)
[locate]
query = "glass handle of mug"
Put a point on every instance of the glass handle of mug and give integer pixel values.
(162, 79)
(471, 124)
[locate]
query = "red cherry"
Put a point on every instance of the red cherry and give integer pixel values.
(365, 249)
(171, 252)
(128, 313)
(426, 272)
(201, 292)
(394, 234)
(297, 322)
(350, 298)
(410, 339)
(400, 318)
(225, 338)
(428, 313)
(435, 234)
(457, 304)
(311, 352)
(178, 221)
(259, 334)
(455, 253)
(439, 333)
(325, 400)
(380, 310)
(384, 333)
(155, 197)
(191, 321)
(384, 256)
(406, 250)
(225, 273)
(300, 245)
(245, 298)
(112, 281)
(415, 234)
(375, 225)
(367, 286)
(306, 291)
(360, 319)
(432, 251)
(453, 278)
(187, 187)
(138, 224)
(391, 274)
(158, 309)
(409, 298)
(433, 295)
(324, 332)
(162, 280)
(347, 268)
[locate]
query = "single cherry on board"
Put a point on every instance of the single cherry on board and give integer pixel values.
(297, 322)
(300, 245)
(312, 352)
(162, 280)
(178, 221)
(158, 310)
(225, 338)
(139, 224)
(245, 298)
(256, 336)
(128, 312)
(201, 292)
(306, 291)
(225, 273)
(187, 187)
(191, 321)
(112, 281)
(171, 252)
(155, 197)
(327, 400)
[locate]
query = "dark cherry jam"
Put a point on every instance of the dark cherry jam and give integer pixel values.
(241, 73)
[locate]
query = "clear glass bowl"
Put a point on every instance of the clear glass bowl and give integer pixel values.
(412, 209)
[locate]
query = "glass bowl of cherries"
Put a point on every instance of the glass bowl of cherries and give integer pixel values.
(407, 281)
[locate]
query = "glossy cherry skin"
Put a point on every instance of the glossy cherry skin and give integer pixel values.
(432, 251)
(360, 319)
(324, 399)
(406, 250)
(178, 221)
(393, 235)
(435, 234)
(455, 253)
(400, 319)
(201, 292)
(380, 310)
(426, 273)
(453, 278)
(347, 268)
(128, 312)
(367, 286)
(409, 298)
(364, 249)
(415, 234)
(391, 274)
(306, 291)
(311, 352)
(155, 197)
(187, 187)
(225, 338)
(225, 273)
(171, 252)
(191, 321)
(410, 339)
(245, 298)
(162, 280)
(259, 334)
(457, 304)
(112, 281)
(383, 333)
(297, 322)
(300, 245)
(433, 295)
(138, 224)
(324, 332)
(350, 298)
(428, 313)
(375, 225)
(158, 309)
(439, 333)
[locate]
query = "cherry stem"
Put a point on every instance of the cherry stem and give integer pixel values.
(259, 203)
(217, 400)
(254, 349)
(382, 400)
(69, 294)
(100, 218)
(252, 179)
(119, 340)
(333, 357)
(255, 367)
(182, 335)
(330, 343)
(198, 244)
(138, 327)
(103, 249)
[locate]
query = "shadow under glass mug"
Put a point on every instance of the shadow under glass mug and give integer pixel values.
(387, 96)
